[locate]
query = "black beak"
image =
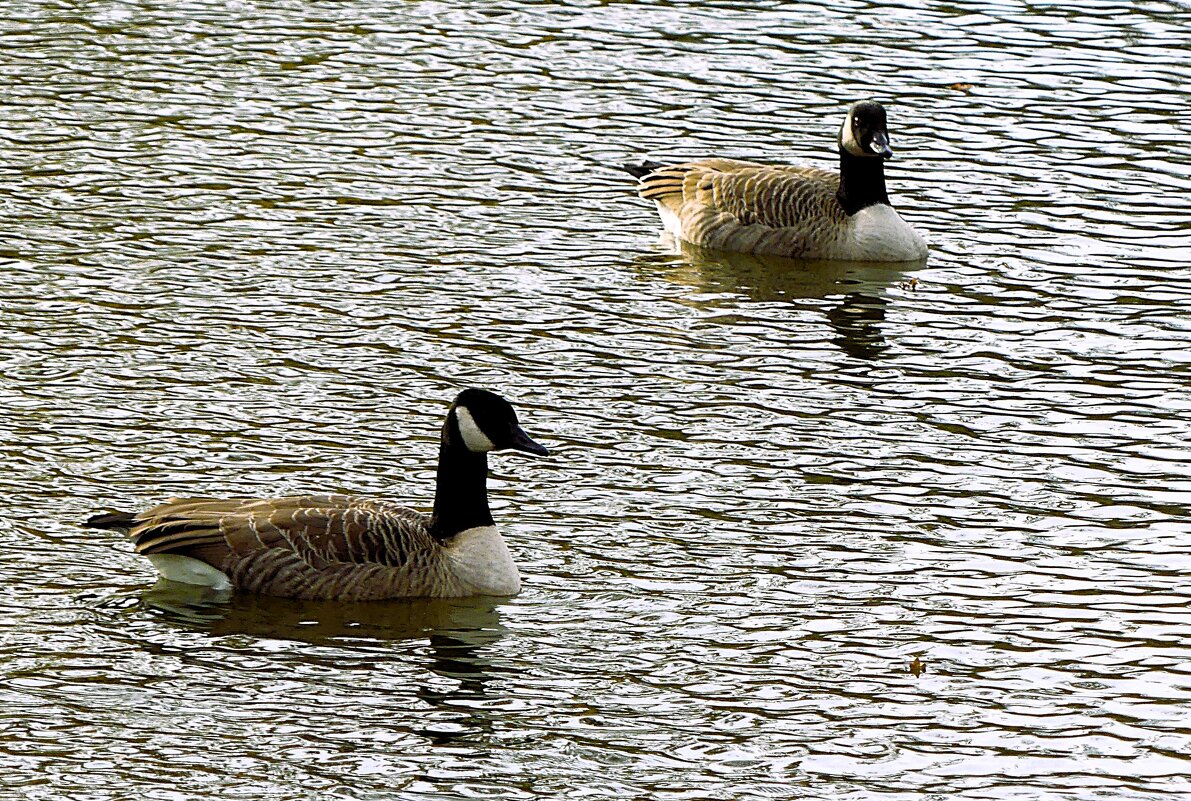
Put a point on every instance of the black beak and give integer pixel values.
(522, 442)
(880, 145)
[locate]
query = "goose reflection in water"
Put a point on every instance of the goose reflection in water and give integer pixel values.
(458, 631)
(857, 290)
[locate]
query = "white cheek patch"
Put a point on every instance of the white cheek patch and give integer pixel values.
(475, 439)
(847, 139)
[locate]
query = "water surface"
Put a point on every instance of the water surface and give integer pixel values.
(256, 249)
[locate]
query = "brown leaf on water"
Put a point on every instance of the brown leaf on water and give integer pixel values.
(917, 666)
(961, 87)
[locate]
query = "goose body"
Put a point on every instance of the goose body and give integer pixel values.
(340, 547)
(778, 210)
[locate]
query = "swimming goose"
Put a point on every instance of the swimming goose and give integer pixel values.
(800, 212)
(339, 547)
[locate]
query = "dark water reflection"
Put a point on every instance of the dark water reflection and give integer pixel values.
(451, 635)
(852, 294)
(321, 622)
(255, 249)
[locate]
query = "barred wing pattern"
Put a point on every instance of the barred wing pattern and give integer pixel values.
(314, 546)
(746, 207)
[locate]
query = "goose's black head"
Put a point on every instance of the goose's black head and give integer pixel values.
(864, 132)
(487, 422)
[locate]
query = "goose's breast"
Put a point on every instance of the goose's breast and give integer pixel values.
(878, 233)
(480, 560)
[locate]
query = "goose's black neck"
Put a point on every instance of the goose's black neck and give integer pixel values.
(461, 498)
(861, 182)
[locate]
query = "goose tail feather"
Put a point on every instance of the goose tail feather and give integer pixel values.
(642, 169)
(111, 520)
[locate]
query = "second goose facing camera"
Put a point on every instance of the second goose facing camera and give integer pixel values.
(799, 212)
(340, 547)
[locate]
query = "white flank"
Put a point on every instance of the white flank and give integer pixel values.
(480, 559)
(187, 570)
(475, 439)
(670, 220)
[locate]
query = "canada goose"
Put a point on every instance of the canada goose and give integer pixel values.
(339, 547)
(800, 212)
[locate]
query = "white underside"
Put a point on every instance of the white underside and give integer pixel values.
(877, 233)
(480, 559)
(186, 570)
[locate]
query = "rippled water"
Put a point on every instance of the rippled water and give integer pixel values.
(256, 248)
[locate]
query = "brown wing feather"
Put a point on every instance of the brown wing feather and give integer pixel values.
(318, 529)
(742, 205)
(334, 547)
